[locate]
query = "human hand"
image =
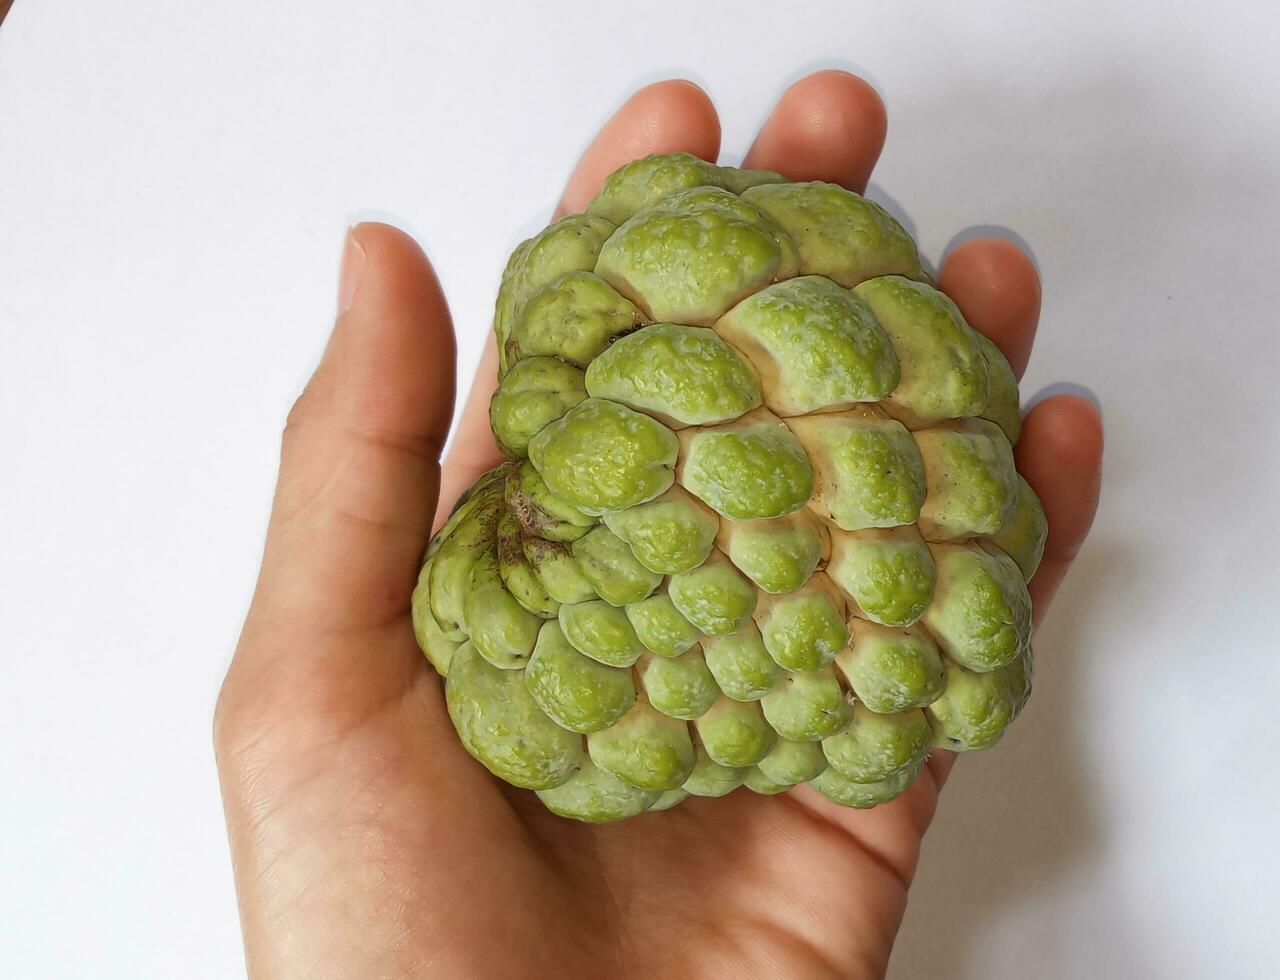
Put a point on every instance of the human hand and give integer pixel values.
(366, 842)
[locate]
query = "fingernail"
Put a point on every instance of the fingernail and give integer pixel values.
(349, 277)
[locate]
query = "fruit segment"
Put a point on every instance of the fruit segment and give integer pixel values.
(814, 344)
(573, 690)
(741, 665)
(807, 707)
(840, 235)
(683, 375)
(750, 469)
(572, 244)
(891, 669)
(660, 627)
(777, 555)
(671, 533)
(981, 616)
(877, 746)
(804, 629)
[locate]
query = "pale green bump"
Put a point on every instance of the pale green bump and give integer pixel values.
(645, 748)
(540, 512)
(573, 318)
(814, 345)
(778, 554)
(751, 469)
(669, 799)
(642, 183)
(975, 709)
(660, 626)
(681, 687)
(576, 692)
(595, 795)
(431, 639)
(876, 746)
(693, 255)
(709, 778)
(714, 597)
(973, 485)
(611, 567)
(488, 484)
(1002, 406)
(571, 244)
(981, 614)
(1023, 535)
(944, 373)
(452, 562)
(501, 725)
(518, 574)
(791, 762)
(758, 782)
(808, 707)
(891, 669)
(695, 200)
(533, 393)
(805, 629)
(741, 665)
(848, 792)
(502, 630)
(601, 631)
(558, 571)
(686, 374)
(735, 733)
(839, 234)
(867, 469)
(888, 573)
(671, 533)
(602, 456)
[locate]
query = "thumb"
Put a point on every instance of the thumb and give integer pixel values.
(360, 470)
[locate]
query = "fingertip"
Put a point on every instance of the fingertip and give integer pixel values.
(685, 102)
(838, 102)
(664, 117)
(830, 126)
(390, 360)
(399, 261)
(382, 235)
(1066, 429)
(1060, 455)
(997, 287)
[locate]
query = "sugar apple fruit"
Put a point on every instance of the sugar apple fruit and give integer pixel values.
(759, 522)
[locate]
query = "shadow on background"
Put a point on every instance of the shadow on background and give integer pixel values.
(1017, 819)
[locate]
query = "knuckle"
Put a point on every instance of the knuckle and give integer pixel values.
(226, 722)
(237, 720)
(301, 417)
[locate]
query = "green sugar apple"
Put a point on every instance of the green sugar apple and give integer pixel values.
(759, 522)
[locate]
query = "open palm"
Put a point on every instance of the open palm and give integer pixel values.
(366, 842)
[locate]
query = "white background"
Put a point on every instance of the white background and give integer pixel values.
(175, 179)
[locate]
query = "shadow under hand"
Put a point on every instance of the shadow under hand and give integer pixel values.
(1013, 821)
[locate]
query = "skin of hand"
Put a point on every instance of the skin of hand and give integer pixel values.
(365, 841)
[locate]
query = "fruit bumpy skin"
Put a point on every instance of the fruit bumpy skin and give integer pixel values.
(760, 522)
